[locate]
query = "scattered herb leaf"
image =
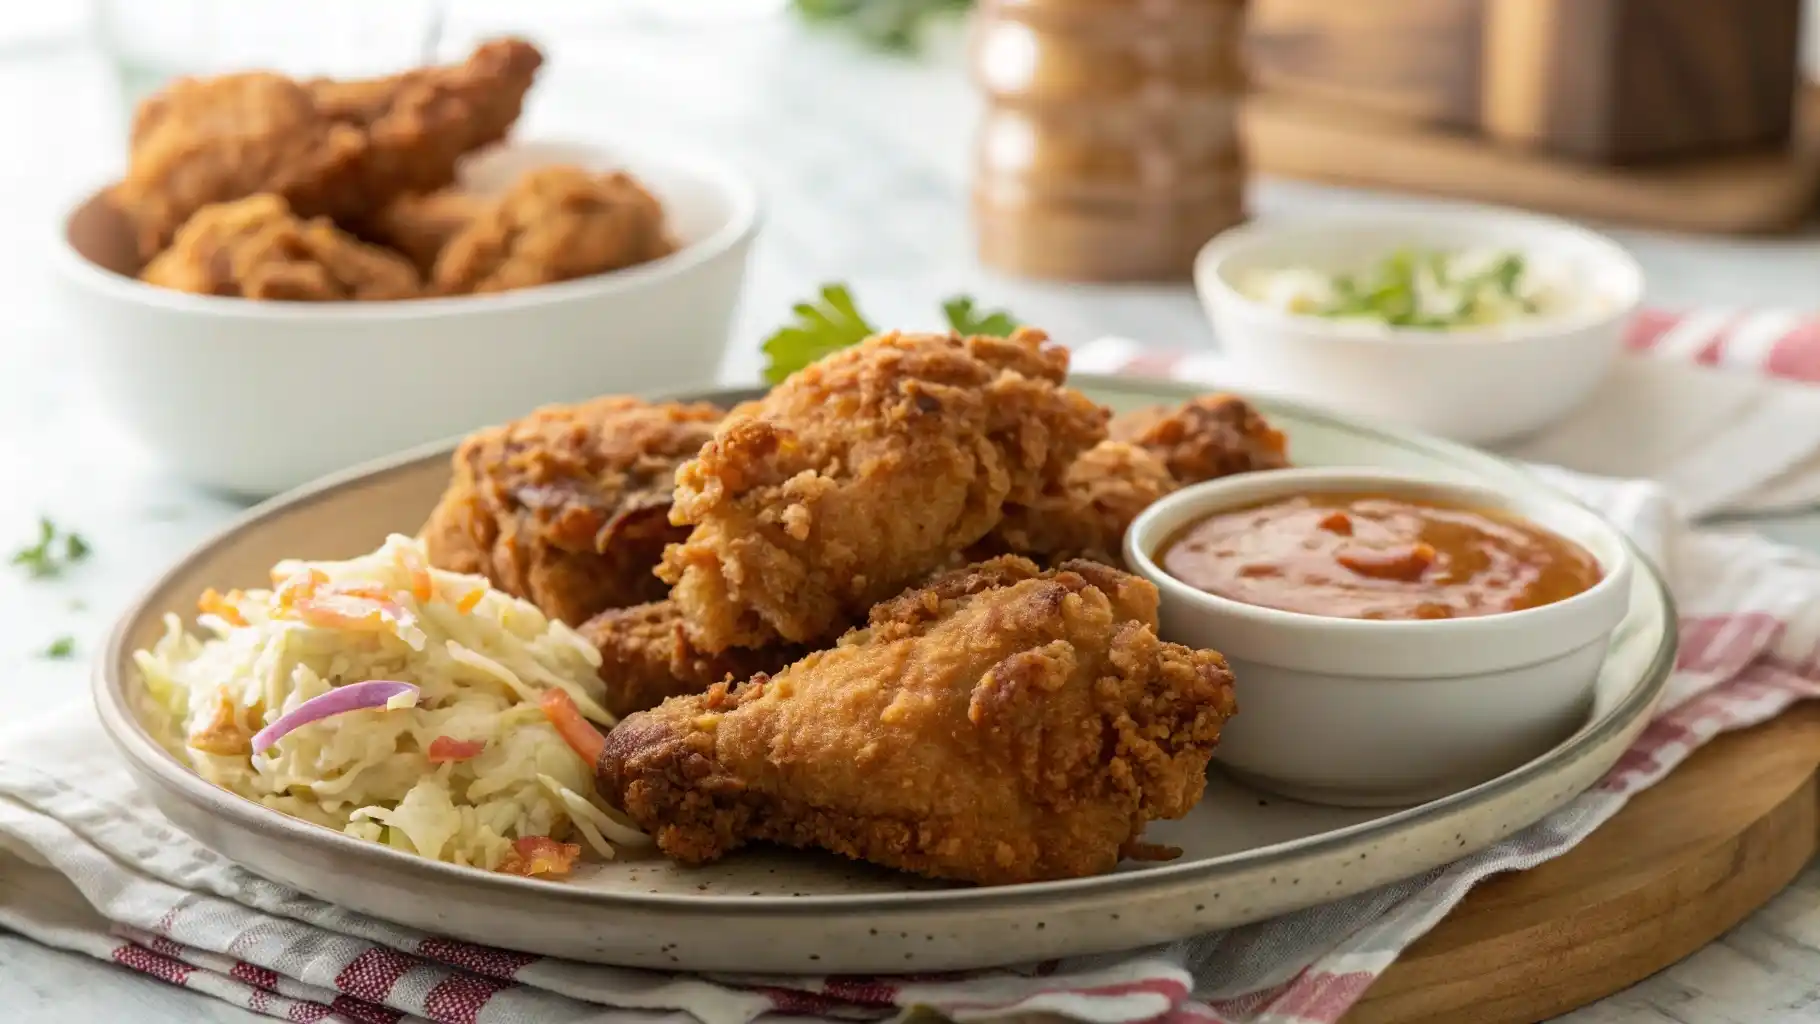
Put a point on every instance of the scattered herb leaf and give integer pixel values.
(820, 328)
(61, 648)
(963, 317)
(75, 549)
(893, 25)
(48, 557)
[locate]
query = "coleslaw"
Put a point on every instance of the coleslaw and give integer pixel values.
(457, 761)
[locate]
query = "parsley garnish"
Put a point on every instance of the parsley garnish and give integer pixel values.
(61, 648)
(834, 322)
(53, 552)
(820, 328)
(967, 320)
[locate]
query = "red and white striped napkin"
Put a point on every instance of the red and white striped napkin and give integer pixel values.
(1723, 413)
(86, 865)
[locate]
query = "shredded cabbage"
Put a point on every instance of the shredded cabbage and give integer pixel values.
(386, 615)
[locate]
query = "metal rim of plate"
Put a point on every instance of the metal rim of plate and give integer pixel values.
(136, 743)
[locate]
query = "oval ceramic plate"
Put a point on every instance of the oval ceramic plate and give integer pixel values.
(1246, 856)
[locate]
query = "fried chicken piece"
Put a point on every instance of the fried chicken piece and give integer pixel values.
(646, 656)
(215, 140)
(420, 226)
(1103, 491)
(568, 506)
(255, 248)
(862, 473)
(554, 224)
(1153, 451)
(419, 124)
(998, 725)
(1206, 437)
(337, 149)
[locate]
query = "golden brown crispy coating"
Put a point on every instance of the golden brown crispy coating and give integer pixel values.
(214, 140)
(1204, 438)
(554, 224)
(998, 725)
(646, 656)
(254, 248)
(419, 124)
(420, 226)
(1104, 490)
(337, 149)
(568, 507)
(862, 473)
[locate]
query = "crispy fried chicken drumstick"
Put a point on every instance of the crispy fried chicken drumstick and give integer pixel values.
(568, 507)
(862, 473)
(997, 725)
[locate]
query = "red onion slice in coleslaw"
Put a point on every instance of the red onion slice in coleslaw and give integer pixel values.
(374, 693)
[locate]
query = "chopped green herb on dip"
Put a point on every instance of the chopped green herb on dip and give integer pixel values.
(1421, 288)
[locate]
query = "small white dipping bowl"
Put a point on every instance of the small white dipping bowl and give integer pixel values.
(254, 397)
(1384, 713)
(1476, 386)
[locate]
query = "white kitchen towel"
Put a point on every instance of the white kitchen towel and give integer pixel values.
(1719, 407)
(87, 865)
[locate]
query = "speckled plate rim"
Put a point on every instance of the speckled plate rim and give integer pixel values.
(123, 726)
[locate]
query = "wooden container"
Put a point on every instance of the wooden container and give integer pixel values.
(1612, 81)
(1109, 149)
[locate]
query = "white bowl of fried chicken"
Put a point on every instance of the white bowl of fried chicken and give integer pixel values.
(295, 276)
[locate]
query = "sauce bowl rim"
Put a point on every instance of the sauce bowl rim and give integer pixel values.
(1145, 537)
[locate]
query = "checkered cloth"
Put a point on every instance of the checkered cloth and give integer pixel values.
(85, 865)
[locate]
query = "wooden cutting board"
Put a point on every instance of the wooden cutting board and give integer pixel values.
(1682, 863)
(1752, 194)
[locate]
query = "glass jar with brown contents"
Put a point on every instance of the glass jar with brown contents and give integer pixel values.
(1110, 145)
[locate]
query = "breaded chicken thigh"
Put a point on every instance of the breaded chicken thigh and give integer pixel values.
(1086, 517)
(646, 657)
(553, 224)
(420, 226)
(862, 473)
(997, 725)
(255, 248)
(1204, 438)
(568, 507)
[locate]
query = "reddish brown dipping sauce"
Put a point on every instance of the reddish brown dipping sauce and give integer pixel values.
(1369, 556)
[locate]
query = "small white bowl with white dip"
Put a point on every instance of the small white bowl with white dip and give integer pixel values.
(1475, 324)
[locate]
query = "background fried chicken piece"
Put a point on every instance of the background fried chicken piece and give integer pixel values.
(420, 226)
(568, 506)
(646, 656)
(419, 124)
(1207, 437)
(554, 224)
(1103, 491)
(337, 149)
(214, 140)
(256, 249)
(995, 726)
(862, 473)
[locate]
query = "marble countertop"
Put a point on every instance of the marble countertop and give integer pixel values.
(863, 163)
